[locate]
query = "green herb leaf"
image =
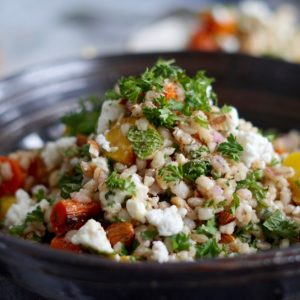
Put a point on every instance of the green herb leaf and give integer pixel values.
(144, 143)
(198, 152)
(84, 120)
(115, 182)
(180, 242)
(149, 235)
(198, 91)
(210, 229)
(171, 173)
(297, 183)
(160, 116)
(231, 149)
(70, 182)
(208, 249)
(195, 168)
(284, 228)
(235, 203)
(256, 188)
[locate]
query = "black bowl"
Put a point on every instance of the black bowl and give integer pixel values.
(265, 91)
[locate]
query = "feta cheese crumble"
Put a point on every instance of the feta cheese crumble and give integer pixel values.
(92, 235)
(167, 221)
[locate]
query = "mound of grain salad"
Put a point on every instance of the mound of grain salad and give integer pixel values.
(160, 173)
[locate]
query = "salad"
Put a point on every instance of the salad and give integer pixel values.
(157, 171)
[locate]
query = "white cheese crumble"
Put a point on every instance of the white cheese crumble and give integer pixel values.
(92, 235)
(111, 111)
(167, 221)
(159, 252)
(256, 148)
(104, 143)
(136, 210)
(17, 213)
(53, 151)
(233, 119)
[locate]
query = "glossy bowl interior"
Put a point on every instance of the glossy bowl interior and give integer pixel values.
(265, 91)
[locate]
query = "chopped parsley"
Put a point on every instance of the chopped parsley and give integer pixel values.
(198, 152)
(278, 225)
(235, 203)
(115, 182)
(160, 116)
(256, 188)
(41, 195)
(198, 92)
(195, 168)
(209, 229)
(208, 250)
(144, 143)
(180, 242)
(83, 120)
(171, 173)
(231, 149)
(70, 182)
(190, 171)
(149, 234)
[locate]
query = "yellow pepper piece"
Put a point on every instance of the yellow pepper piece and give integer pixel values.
(293, 160)
(124, 153)
(5, 203)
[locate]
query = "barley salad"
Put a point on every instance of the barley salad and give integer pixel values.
(157, 172)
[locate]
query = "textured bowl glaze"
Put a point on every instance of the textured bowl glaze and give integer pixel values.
(265, 91)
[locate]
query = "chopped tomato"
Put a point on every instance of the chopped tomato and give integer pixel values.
(10, 186)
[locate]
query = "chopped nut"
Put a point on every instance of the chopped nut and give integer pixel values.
(226, 238)
(224, 217)
(120, 232)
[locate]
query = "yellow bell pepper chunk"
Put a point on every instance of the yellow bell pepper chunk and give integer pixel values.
(124, 153)
(5, 203)
(293, 160)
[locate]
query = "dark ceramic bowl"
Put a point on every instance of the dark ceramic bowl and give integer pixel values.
(266, 92)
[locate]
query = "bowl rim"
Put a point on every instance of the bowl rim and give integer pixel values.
(262, 259)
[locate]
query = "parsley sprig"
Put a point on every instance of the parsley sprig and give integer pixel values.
(276, 224)
(208, 249)
(115, 182)
(85, 118)
(252, 183)
(231, 149)
(180, 242)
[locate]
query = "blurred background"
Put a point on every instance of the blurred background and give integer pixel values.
(33, 31)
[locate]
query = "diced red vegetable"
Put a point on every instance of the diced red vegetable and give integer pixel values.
(59, 242)
(9, 187)
(70, 214)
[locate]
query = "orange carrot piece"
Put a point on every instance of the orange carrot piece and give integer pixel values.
(9, 187)
(59, 242)
(70, 214)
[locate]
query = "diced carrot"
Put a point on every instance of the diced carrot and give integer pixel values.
(170, 91)
(70, 214)
(59, 242)
(10, 186)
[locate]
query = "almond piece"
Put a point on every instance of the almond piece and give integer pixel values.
(120, 232)
(226, 238)
(225, 217)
